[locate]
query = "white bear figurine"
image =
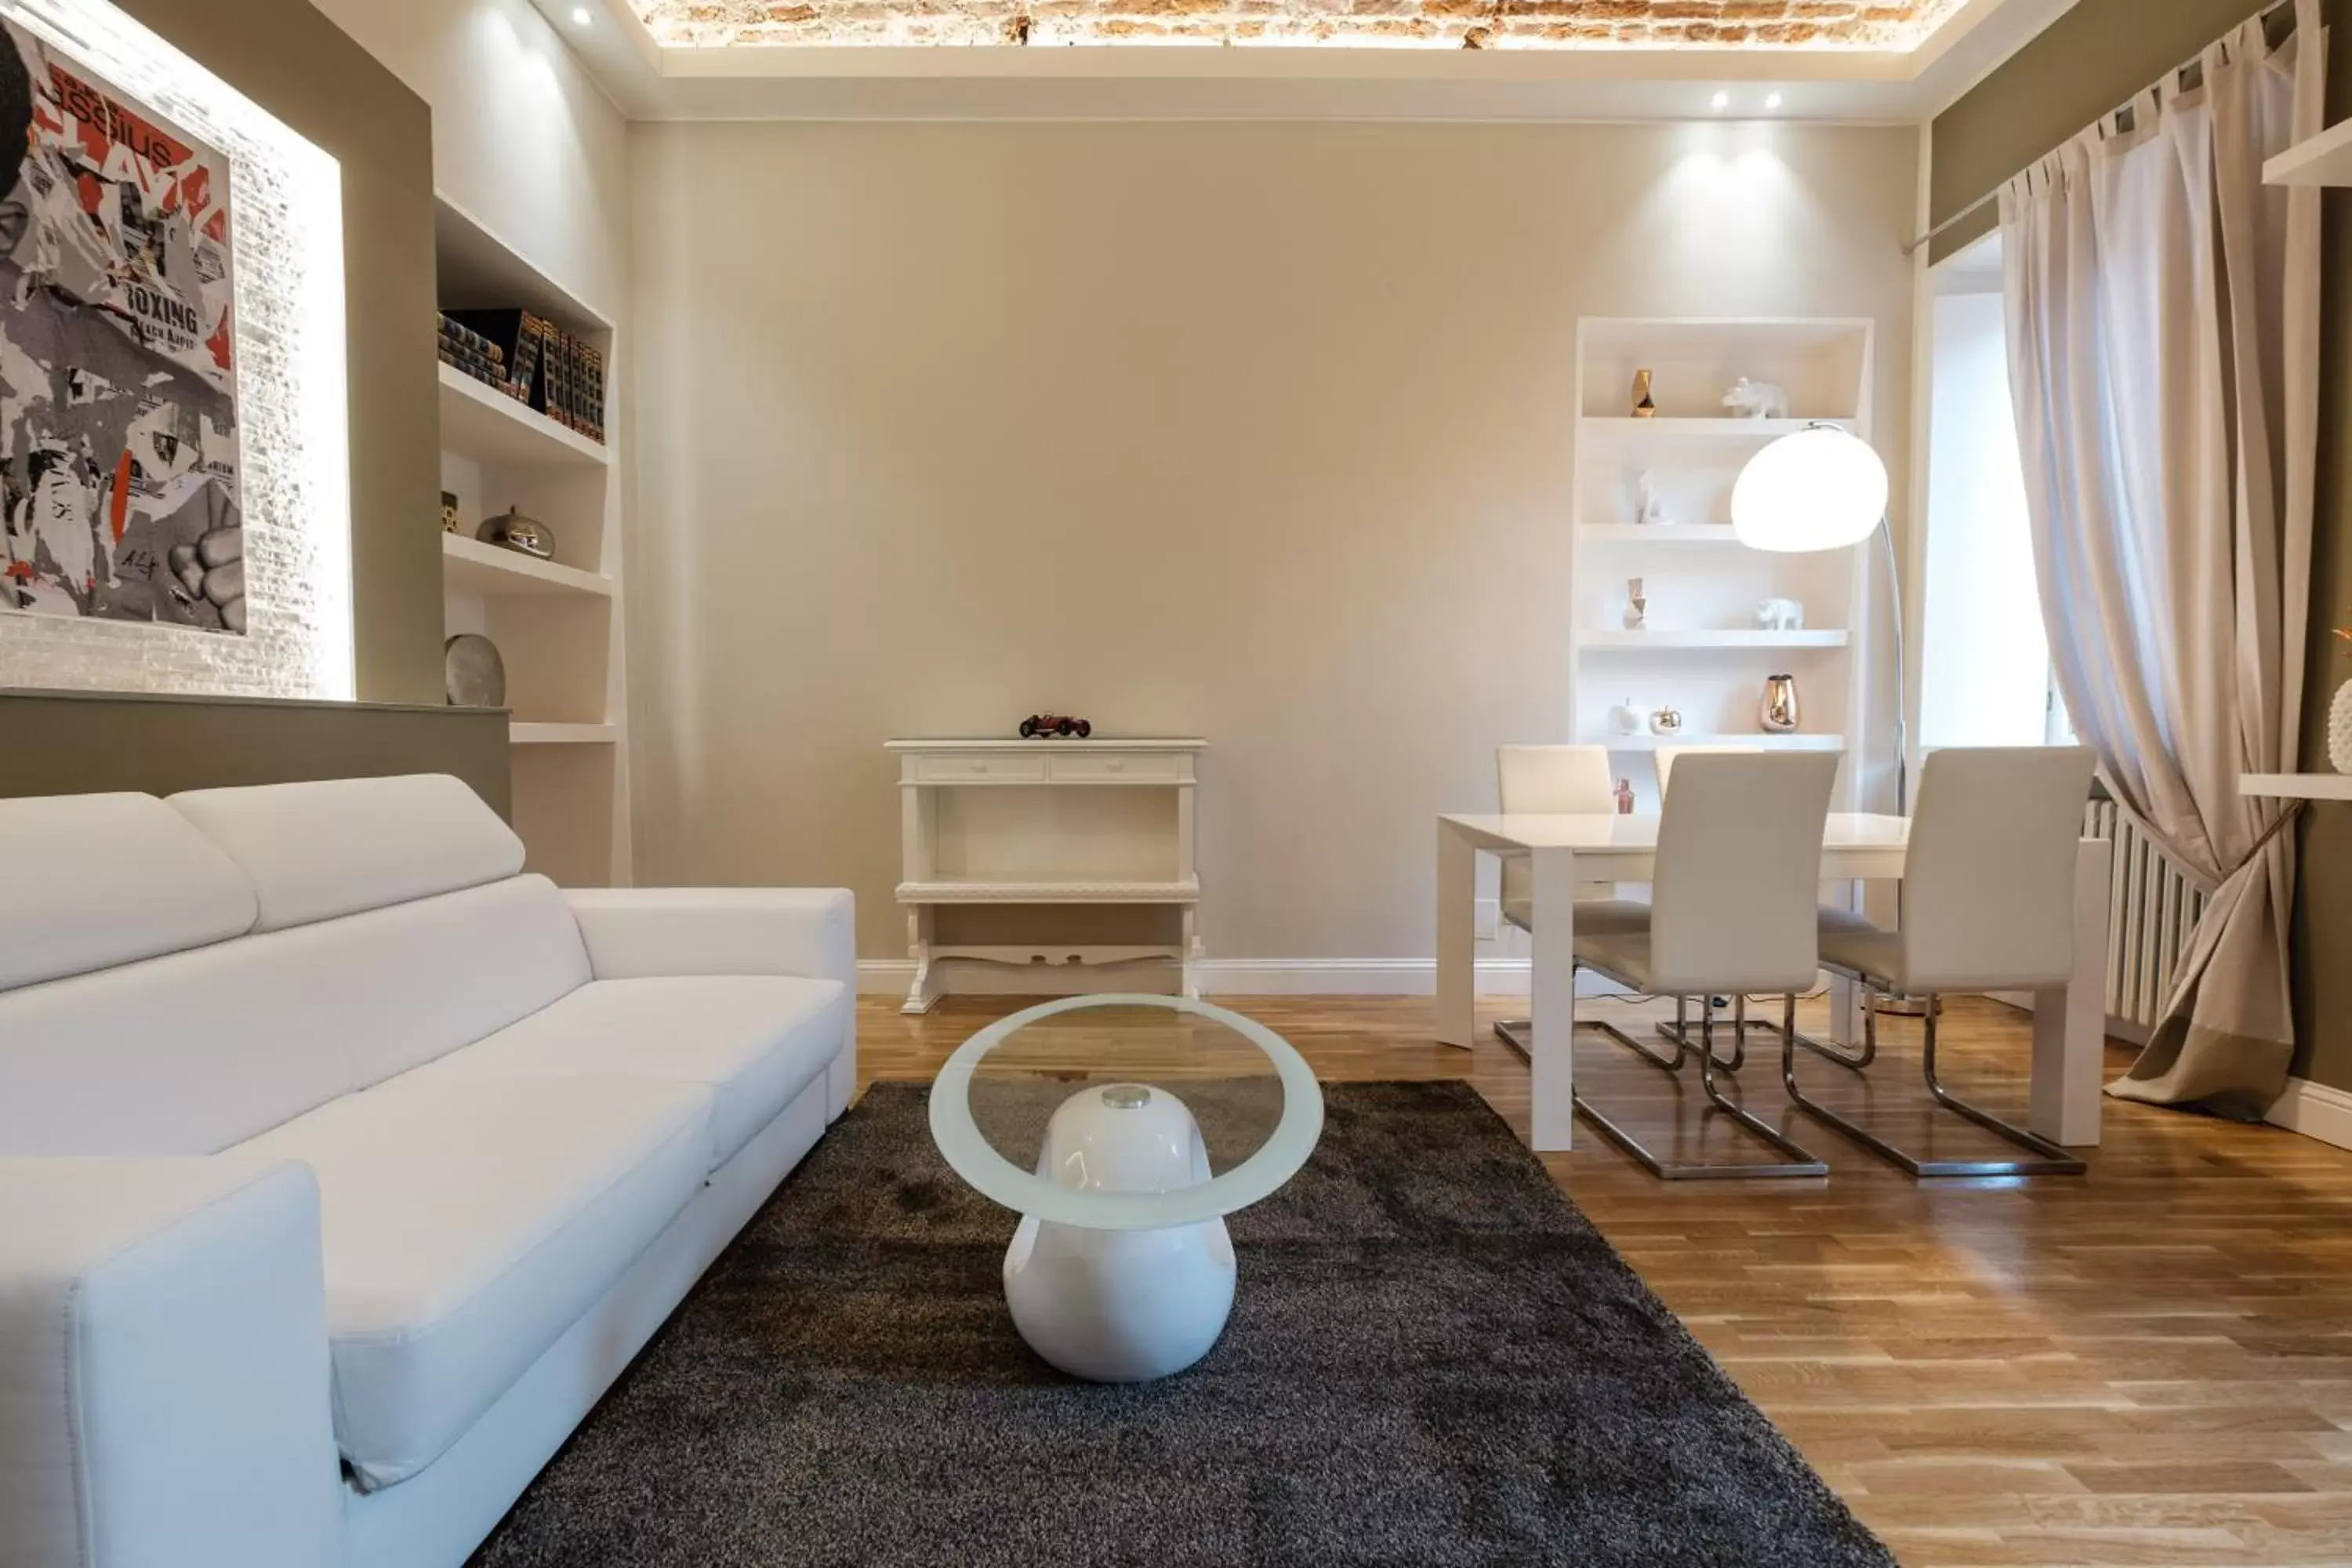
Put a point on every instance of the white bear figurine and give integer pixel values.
(1756, 400)
(1780, 616)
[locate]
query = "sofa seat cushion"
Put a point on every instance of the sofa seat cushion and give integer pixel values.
(467, 1225)
(754, 1041)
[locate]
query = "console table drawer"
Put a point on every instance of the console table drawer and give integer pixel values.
(1134, 767)
(994, 769)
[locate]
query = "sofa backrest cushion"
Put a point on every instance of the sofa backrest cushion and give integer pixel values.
(90, 880)
(316, 851)
(191, 1052)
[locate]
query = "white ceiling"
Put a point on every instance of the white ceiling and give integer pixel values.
(992, 82)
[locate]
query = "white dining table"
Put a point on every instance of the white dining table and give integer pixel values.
(2069, 1021)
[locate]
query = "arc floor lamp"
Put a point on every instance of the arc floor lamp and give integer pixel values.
(1825, 488)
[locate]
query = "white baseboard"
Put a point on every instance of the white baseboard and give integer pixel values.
(2315, 1110)
(1222, 977)
(1351, 977)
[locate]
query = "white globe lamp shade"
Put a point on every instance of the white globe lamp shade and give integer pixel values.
(1820, 489)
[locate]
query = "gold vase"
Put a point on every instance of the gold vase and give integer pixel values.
(1778, 711)
(1644, 406)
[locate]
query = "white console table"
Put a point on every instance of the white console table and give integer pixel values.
(1045, 822)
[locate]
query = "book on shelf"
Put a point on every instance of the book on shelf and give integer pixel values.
(475, 355)
(549, 369)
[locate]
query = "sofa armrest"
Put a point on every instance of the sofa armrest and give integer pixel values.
(634, 932)
(811, 933)
(164, 1394)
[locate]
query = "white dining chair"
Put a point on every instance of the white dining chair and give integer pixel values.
(1543, 780)
(1679, 1032)
(1665, 757)
(1732, 910)
(1988, 905)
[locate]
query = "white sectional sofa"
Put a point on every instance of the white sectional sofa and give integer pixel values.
(343, 1166)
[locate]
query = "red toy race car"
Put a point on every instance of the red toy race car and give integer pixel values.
(1051, 724)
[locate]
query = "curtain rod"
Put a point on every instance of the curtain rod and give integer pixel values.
(2278, 25)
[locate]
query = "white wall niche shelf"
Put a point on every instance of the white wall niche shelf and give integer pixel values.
(1760, 739)
(1046, 823)
(1705, 641)
(475, 270)
(2298, 787)
(563, 734)
(482, 422)
(557, 624)
(2323, 159)
(471, 567)
(1703, 652)
(1623, 427)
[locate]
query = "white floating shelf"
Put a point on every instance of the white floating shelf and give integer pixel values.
(474, 567)
(1706, 429)
(475, 269)
(480, 422)
(2325, 160)
(977, 892)
(2298, 787)
(563, 734)
(1667, 641)
(1658, 533)
(1759, 740)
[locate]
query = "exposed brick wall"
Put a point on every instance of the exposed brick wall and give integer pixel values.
(1440, 24)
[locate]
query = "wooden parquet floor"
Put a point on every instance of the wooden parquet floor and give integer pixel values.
(2148, 1364)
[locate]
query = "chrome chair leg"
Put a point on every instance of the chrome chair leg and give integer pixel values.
(1800, 1163)
(2054, 1160)
(1856, 1060)
(1519, 1034)
(1679, 1032)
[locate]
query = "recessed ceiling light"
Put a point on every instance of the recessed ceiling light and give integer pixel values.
(1722, 101)
(1773, 102)
(581, 16)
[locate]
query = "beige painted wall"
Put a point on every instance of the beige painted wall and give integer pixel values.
(1257, 432)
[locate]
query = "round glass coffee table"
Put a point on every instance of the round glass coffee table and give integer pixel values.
(1121, 1269)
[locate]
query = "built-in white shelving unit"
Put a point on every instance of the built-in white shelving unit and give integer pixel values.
(469, 566)
(1667, 428)
(1704, 640)
(493, 427)
(557, 623)
(1702, 650)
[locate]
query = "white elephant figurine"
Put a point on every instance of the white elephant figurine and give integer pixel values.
(1780, 616)
(1757, 400)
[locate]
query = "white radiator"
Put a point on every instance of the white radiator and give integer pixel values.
(2152, 913)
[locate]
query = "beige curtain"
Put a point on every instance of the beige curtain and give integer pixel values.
(2163, 309)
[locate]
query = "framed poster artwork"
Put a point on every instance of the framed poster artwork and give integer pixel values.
(117, 380)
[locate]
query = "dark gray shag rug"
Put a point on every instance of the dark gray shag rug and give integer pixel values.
(1434, 1360)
